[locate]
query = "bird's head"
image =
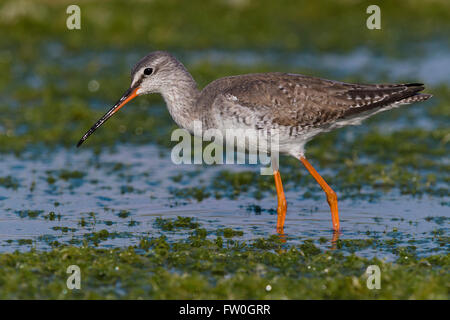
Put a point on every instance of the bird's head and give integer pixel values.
(151, 74)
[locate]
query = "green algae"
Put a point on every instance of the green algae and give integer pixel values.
(52, 216)
(64, 229)
(229, 233)
(438, 220)
(66, 174)
(197, 193)
(123, 214)
(217, 264)
(206, 269)
(32, 214)
(9, 182)
(178, 223)
(24, 242)
(96, 237)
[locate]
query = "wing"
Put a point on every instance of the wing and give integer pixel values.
(294, 100)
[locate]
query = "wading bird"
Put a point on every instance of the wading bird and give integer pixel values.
(299, 107)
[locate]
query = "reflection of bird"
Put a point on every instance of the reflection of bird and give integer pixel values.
(298, 107)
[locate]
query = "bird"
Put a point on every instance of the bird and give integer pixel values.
(299, 107)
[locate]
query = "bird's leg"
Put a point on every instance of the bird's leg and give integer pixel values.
(334, 240)
(331, 195)
(282, 206)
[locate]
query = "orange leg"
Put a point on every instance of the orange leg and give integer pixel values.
(334, 240)
(331, 195)
(282, 206)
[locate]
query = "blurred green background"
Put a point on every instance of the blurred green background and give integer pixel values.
(224, 24)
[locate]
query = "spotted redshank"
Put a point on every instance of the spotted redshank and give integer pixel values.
(299, 107)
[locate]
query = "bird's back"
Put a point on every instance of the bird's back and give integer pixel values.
(298, 102)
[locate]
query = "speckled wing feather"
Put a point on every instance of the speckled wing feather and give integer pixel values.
(294, 100)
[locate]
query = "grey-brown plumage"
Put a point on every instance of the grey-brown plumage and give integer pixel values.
(299, 106)
(295, 100)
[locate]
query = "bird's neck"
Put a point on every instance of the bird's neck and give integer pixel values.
(181, 96)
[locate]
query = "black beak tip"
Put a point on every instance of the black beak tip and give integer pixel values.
(80, 143)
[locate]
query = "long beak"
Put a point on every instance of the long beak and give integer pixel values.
(127, 96)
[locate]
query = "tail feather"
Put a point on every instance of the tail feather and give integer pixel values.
(416, 98)
(379, 96)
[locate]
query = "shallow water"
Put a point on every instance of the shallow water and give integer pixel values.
(103, 189)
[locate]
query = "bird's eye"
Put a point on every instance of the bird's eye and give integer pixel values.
(148, 71)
